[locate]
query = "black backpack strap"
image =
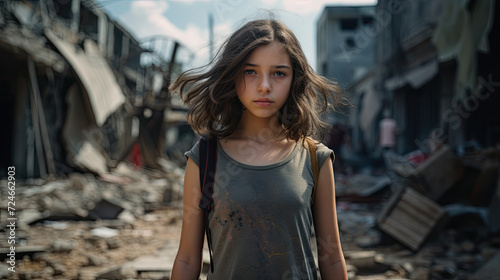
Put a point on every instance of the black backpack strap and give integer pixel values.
(208, 164)
(311, 146)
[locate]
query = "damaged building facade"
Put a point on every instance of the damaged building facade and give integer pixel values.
(82, 100)
(434, 71)
(78, 91)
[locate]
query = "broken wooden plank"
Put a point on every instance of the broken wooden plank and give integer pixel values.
(42, 123)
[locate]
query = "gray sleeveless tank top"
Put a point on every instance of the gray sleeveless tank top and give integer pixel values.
(262, 221)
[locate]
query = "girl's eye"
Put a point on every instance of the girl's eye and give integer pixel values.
(249, 71)
(280, 74)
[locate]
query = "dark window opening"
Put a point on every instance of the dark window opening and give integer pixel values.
(63, 9)
(367, 20)
(350, 42)
(118, 43)
(349, 24)
(88, 22)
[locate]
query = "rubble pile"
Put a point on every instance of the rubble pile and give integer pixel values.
(124, 195)
(432, 219)
(408, 223)
(88, 227)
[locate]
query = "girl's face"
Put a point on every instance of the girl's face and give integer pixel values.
(264, 85)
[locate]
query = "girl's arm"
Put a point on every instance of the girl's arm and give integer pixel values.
(330, 256)
(187, 264)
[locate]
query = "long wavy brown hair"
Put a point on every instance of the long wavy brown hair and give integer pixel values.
(214, 107)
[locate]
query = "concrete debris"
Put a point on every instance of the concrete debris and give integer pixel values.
(84, 197)
(371, 239)
(430, 226)
(104, 232)
(87, 228)
(4, 271)
(27, 250)
(56, 225)
(363, 185)
(364, 261)
(59, 269)
(350, 221)
(113, 243)
(351, 271)
(46, 189)
(91, 158)
(63, 245)
(126, 216)
(127, 226)
(117, 273)
(48, 271)
(95, 260)
(28, 216)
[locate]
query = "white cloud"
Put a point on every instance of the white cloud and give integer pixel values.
(270, 3)
(223, 30)
(150, 6)
(305, 7)
(190, 1)
(147, 18)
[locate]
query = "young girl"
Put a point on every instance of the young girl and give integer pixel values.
(259, 100)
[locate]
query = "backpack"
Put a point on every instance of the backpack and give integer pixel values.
(208, 164)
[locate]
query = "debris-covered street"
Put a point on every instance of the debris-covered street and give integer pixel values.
(85, 227)
(126, 225)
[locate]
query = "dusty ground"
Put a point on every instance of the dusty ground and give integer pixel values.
(145, 248)
(146, 237)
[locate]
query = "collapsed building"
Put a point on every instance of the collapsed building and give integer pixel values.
(81, 99)
(78, 91)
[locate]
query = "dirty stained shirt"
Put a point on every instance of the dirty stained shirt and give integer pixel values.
(262, 220)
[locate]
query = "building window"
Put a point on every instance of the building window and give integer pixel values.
(348, 23)
(63, 9)
(367, 20)
(350, 42)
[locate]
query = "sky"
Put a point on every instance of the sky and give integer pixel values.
(188, 20)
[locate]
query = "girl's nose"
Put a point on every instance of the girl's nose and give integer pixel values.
(264, 86)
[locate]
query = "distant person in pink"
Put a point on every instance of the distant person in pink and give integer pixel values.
(387, 132)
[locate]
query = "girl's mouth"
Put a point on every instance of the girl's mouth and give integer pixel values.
(264, 102)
